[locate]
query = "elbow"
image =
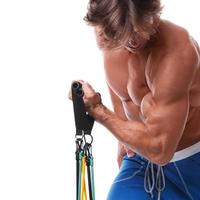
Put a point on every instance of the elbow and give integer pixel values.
(161, 159)
(160, 154)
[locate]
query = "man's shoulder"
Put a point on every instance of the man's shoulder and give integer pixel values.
(186, 53)
(174, 28)
(177, 69)
(179, 37)
(178, 60)
(179, 46)
(183, 57)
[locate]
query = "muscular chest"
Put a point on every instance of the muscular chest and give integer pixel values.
(130, 79)
(132, 82)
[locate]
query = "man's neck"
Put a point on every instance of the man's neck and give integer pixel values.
(155, 41)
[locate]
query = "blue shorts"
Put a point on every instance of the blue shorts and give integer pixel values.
(139, 179)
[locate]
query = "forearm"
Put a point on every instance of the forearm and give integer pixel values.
(133, 134)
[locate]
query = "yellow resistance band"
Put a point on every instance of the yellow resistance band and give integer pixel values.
(83, 184)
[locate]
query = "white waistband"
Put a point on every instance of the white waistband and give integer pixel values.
(187, 152)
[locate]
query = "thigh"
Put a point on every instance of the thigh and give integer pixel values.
(119, 191)
(129, 183)
(182, 179)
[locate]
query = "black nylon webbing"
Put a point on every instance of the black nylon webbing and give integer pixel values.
(83, 121)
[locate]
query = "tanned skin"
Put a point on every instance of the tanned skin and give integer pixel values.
(156, 104)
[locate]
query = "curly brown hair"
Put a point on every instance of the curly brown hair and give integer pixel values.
(123, 22)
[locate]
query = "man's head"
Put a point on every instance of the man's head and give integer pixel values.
(123, 23)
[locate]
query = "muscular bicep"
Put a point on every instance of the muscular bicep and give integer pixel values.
(166, 122)
(167, 116)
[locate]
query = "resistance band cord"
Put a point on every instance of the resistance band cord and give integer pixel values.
(84, 159)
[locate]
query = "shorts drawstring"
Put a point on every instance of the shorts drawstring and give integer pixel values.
(150, 181)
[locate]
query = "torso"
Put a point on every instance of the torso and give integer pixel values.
(130, 77)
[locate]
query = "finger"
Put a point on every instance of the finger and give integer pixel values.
(130, 153)
(88, 84)
(81, 81)
(70, 95)
(88, 90)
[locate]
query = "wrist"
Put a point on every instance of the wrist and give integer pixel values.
(96, 111)
(99, 112)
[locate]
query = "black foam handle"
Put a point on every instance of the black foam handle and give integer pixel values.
(77, 88)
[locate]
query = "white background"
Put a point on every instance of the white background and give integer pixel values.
(44, 45)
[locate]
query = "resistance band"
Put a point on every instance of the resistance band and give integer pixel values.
(84, 124)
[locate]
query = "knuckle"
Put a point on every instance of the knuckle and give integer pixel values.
(90, 96)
